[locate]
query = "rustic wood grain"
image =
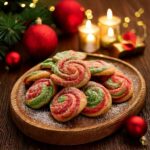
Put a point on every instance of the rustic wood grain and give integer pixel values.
(83, 128)
(12, 139)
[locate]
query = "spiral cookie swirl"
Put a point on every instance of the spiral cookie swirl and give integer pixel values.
(35, 75)
(40, 93)
(47, 64)
(67, 104)
(119, 86)
(70, 54)
(98, 99)
(70, 73)
(100, 68)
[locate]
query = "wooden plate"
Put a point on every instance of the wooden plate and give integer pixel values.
(38, 124)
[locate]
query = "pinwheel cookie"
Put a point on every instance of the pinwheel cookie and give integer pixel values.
(98, 99)
(35, 75)
(70, 73)
(67, 104)
(100, 68)
(119, 86)
(70, 54)
(47, 64)
(40, 93)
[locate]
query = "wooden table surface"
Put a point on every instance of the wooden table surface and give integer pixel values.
(12, 139)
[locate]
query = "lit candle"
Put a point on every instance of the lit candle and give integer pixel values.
(108, 39)
(105, 22)
(89, 37)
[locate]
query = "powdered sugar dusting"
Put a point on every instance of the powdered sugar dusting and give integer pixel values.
(43, 115)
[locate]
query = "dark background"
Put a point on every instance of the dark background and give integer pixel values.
(12, 139)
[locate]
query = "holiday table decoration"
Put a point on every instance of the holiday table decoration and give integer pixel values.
(46, 122)
(40, 40)
(13, 59)
(136, 126)
(107, 23)
(68, 15)
(108, 39)
(129, 44)
(89, 37)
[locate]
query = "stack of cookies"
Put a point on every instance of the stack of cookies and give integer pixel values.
(73, 85)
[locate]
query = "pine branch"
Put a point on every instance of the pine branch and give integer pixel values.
(3, 51)
(10, 29)
(29, 15)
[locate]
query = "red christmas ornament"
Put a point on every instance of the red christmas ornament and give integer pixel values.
(136, 126)
(68, 14)
(40, 40)
(13, 59)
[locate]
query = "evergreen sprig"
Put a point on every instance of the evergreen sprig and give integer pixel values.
(10, 29)
(14, 20)
(29, 15)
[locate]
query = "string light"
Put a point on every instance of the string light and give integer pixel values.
(139, 12)
(23, 5)
(143, 25)
(32, 5)
(34, 1)
(5, 3)
(51, 8)
(125, 25)
(127, 19)
(89, 14)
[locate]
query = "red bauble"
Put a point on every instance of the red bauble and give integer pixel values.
(68, 14)
(40, 40)
(13, 59)
(136, 126)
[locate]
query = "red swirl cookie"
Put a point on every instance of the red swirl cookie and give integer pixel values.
(119, 86)
(47, 64)
(67, 104)
(98, 99)
(40, 93)
(35, 75)
(70, 73)
(100, 67)
(70, 54)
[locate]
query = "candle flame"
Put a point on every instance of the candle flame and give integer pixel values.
(109, 14)
(88, 24)
(90, 38)
(110, 32)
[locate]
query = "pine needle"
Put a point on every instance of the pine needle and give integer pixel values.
(10, 29)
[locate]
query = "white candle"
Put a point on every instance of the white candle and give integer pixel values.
(89, 37)
(105, 22)
(108, 39)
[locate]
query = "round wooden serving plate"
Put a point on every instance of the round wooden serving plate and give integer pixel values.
(39, 125)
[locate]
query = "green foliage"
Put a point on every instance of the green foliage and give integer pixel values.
(29, 15)
(14, 20)
(3, 51)
(10, 29)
